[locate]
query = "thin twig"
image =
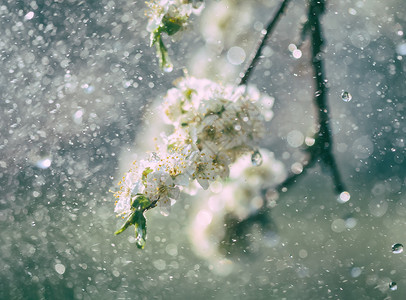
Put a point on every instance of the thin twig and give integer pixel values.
(244, 76)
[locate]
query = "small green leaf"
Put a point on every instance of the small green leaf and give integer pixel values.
(140, 202)
(162, 53)
(130, 221)
(137, 219)
(171, 26)
(145, 174)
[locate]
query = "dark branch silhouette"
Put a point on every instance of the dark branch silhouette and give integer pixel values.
(244, 76)
(322, 150)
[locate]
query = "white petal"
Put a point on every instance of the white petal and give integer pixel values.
(165, 206)
(204, 183)
(173, 192)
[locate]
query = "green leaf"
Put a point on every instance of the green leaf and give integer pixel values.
(145, 174)
(139, 221)
(162, 53)
(140, 202)
(130, 221)
(171, 26)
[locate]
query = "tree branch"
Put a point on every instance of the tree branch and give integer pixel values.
(244, 76)
(322, 150)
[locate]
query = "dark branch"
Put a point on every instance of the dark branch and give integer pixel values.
(244, 76)
(322, 150)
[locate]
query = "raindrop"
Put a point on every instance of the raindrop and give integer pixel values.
(309, 141)
(297, 53)
(297, 168)
(88, 89)
(346, 96)
(350, 222)
(256, 158)
(271, 239)
(236, 55)
(401, 49)
(160, 264)
(44, 163)
(393, 286)
(344, 197)
(29, 15)
(60, 268)
(168, 68)
(271, 196)
(292, 47)
(397, 248)
(355, 272)
(295, 138)
(78, 116)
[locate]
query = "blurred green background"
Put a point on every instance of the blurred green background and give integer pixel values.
(77, 79)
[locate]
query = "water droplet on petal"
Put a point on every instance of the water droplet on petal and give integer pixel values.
(397, 248)
(256, 158)
(346, 96)
(393, 286)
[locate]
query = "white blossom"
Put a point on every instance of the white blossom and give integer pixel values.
(212, 126)
(229, 118)
(208, 169)
(131, 185)
(160, 187)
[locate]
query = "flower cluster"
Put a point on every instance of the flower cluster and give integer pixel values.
(222, 121)
(170, 17)
(211, 127)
